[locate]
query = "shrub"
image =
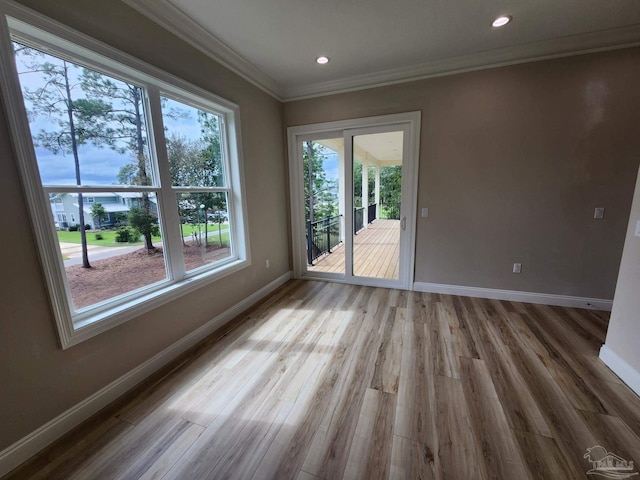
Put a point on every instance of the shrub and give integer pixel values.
(87, 227)
(73, 228)
(127, 235)
(99, 236)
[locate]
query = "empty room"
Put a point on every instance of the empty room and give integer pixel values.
(320, 240)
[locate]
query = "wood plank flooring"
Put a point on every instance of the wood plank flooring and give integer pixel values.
(328, 381)
(376, 252)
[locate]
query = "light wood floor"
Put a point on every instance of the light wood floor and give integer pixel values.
(375, 251)
(328, 381)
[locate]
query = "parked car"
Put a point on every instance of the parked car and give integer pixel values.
(219, 216)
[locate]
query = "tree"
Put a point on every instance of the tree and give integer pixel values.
(390, 191)
(144, 222)
(126, 130)
(79, 120)
(320, 192)
(99, 213)
(219, 218)
(119, 218)
(195, 163)
(198, 163)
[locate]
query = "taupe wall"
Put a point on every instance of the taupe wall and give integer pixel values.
(38, 381)
(513, 162)
(623, 336)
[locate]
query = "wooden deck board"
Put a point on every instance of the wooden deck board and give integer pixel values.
(331, 381)
(376, 252)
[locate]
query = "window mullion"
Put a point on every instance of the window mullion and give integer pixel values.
(172, 232)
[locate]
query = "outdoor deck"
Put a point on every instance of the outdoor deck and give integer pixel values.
(376, 252)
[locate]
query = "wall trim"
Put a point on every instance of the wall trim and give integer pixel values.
(516, 296)
(165, 14)
(171, 18)
(621, 368)
(25, 448)
(593, 42)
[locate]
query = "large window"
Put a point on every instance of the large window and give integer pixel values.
(133, 176)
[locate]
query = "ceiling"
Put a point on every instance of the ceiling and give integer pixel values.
(274, 43)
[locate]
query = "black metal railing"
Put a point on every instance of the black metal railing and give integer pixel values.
(390, 211)
(371, 212)
(322, 236)
(358, 219)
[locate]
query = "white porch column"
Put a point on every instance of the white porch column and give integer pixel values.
(341, 192)
(365, 193)
(377, 191)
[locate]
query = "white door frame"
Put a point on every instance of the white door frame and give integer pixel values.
(410, 122)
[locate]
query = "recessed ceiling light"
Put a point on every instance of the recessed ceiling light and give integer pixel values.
(322, 60)
(501, 21)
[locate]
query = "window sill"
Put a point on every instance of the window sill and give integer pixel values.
(93, 323)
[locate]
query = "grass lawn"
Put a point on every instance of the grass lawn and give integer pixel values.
(109, 236)
(188, 228)
(213, 237)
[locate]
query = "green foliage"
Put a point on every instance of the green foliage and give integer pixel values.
(73, 228)
(127, 235)
(99, 213)
(108, 238)
(357, 184)
(320, 192)
(126, 133)
(119, 218)
(198, 163)
(144, 222)
(390, 191)
(99, 236)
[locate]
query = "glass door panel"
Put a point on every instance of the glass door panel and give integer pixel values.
(323, 167)
(377, 191)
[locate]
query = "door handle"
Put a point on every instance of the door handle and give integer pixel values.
(403, 223)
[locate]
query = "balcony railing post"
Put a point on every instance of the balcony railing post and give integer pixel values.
(319, 237)
(328, 228)
(309, 243)
(371, 212)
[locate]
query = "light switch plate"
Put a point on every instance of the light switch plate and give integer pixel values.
(425, 212)
(599, 213)
(637, 234)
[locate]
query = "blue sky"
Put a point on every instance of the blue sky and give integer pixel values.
(98, 166)
(330, 164)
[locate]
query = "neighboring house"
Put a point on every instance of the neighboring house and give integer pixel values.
(66, 212)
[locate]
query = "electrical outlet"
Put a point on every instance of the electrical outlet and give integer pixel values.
(598, 213)
(266, 263)
(425, 212)
(517, 267)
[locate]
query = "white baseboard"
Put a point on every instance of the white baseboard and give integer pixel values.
(28, 446)
(622, 369)
(515, 296)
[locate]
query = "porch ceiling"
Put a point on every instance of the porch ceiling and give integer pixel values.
(380, 149)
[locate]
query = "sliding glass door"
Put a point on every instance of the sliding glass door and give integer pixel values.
(353, 190)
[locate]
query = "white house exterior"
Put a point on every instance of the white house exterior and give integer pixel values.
(66, 212)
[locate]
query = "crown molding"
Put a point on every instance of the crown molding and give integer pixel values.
(561, 47)
(175, 21)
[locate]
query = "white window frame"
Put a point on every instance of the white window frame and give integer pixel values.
(75, 327)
